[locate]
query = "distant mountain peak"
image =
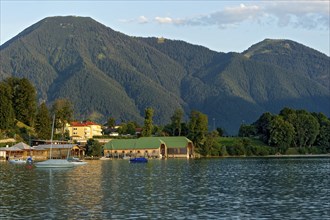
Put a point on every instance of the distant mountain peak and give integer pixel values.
(268, 46)
(277, 46)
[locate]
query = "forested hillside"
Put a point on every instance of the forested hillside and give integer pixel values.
(108, 74)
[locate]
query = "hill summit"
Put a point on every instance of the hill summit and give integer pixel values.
(107, 73)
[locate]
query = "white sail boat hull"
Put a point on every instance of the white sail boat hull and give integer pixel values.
(52, 163)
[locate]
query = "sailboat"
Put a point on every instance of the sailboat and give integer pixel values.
(54, 163)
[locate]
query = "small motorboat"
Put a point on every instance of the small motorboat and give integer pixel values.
(17, 161)
(21, 161)
(138, 160)
(126, 157)
(77, 161)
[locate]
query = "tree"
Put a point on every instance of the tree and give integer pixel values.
(167, 130)
(220, 131)
(7, 115)
(111, 122)
(122, 128)
(158, 130)
(23, 99)
(262, 126)
(198, 127)
(281, 134)
(211, 145)
(247, 131)
(93, 148)
(286, 113)
(306, 128)
(63, 110)
(131, 128)
(176, 122)
(323, 138)
(43, 122)
(148, 126)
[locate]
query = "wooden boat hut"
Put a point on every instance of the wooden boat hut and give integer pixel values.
(59, 151)
(157, 147)
(19, 150)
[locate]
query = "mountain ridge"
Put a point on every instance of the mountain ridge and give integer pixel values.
(106, 72)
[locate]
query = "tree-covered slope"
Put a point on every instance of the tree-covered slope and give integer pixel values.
(293, 57)
(106, 73)
(99, 69)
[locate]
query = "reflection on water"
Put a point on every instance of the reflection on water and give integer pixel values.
(267, 188)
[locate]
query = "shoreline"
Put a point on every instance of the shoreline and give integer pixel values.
(274, 156)
(301, 155)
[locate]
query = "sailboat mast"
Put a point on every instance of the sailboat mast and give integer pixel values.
(51, 139)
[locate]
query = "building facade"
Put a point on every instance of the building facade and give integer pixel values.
(82, 131)
(42, 151)
(157, 147)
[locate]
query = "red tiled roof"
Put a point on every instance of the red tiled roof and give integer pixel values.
(82, 124)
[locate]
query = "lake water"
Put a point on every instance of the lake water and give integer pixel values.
(247, 188)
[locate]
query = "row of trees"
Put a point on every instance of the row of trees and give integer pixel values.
(297, 128)
(291, 128)
(19, 104)
(18, 101)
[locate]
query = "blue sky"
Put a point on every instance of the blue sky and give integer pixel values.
(219, 25)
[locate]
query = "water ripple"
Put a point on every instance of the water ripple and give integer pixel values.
(170, 189)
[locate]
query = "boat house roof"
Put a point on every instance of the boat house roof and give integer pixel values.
(54, 146)
(17, 147)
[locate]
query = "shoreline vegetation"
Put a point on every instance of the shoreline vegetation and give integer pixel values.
(291, 132)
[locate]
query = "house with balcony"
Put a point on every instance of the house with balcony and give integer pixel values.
(82, 131)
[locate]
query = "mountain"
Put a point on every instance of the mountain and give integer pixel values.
(107, 73)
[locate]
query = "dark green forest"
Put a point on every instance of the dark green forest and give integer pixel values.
(107, 73)
(22, 118)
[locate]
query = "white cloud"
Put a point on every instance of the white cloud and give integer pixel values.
(160, 20)
(302, 14)
(305, 14)
(164, 20)
(168, 20)
(229, 17)
(142, 19)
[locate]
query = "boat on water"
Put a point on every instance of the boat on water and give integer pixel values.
(76, 161)
(105, 158)
(21, 161)
(138, 160)
(126, 157)
(17, 161)
(54, 163)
